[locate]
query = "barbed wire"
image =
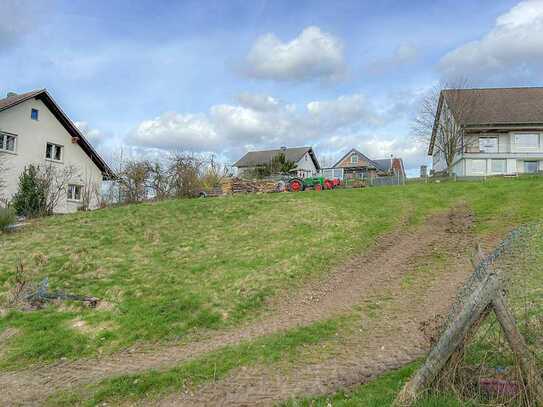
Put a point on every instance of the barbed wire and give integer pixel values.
(494, 262)
(486, 359)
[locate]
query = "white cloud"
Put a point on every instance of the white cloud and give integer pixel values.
(261, 121)
(405, 53)
(248, 126)
(313, 54)
(344, 110)
(258, 102)
(176, 131)
(94, 136)
(513, 48)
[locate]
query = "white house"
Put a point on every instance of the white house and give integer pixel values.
(35, 130)
(502, 130)
(304, 158)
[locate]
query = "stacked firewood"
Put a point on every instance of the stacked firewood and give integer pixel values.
(238, 185)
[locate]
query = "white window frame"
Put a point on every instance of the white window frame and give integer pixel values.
(55, 146)
(504, 165)
(3, 143)
(530, 161)
(471, 167)
(492, 150)
(71, 192)
(354, 159)
(515, 146)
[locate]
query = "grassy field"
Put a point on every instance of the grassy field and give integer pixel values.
(382, 392)
(168, 270)
(281, 347)
(487, 350)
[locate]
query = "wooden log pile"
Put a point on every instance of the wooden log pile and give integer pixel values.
(238, 185)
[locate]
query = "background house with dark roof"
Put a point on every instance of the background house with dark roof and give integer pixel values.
(35, 130)
(304, 157)
(355, 165)
(503, 130)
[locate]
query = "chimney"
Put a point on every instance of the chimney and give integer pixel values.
(11, 94)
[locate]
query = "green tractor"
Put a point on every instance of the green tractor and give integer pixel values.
(316, 183)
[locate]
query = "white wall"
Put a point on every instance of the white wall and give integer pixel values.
(483, 166)
(458, 168)
(32, 137)
(307, 164)
(439, 163)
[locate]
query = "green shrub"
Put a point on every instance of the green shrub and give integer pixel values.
(31, 197)
(7, 217)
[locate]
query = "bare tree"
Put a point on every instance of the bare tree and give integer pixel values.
(3, 169)
(133, 181)
(184, 171)
(158, 179)
(214, 172)
(180, 175)
(91, 196)
(441, 121)
(41, 188)
(55, 183)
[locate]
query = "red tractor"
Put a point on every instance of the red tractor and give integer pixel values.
(316, 183)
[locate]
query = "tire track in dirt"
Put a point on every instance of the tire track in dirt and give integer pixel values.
(318, 300)
(396, 339)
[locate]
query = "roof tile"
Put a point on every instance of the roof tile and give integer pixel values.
(496, 105)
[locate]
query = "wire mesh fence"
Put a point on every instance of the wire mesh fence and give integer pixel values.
(485, 370)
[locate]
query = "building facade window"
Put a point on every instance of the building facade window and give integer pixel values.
(498, 166)
(525, 142)
(477, 167)
(34, 114)
(53, 152)
(488, 144)
(531, 166)
(8, 142)
(74, 192)
(354, 159)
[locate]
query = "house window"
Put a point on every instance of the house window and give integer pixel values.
(498, 166)
(531, 166)
(525, 142)
(354, 159)
(34, 113)
(488, 144)
(478, 167)
(8, 142)
(53, 152)
(74, 192)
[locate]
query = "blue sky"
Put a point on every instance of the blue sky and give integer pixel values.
(224, 77)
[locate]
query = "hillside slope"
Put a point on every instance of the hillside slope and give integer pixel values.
(178, 270)
(168, 268)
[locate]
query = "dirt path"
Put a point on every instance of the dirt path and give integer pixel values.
(396, 336)
(360, 277)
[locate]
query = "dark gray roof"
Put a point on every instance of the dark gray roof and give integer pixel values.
(386, 164)
(496, 105)
(383, 164)
(70, 127)
(257, 158)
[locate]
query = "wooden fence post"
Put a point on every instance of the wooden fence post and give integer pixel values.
(451, 339)
(518, 346)
(487, 294)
